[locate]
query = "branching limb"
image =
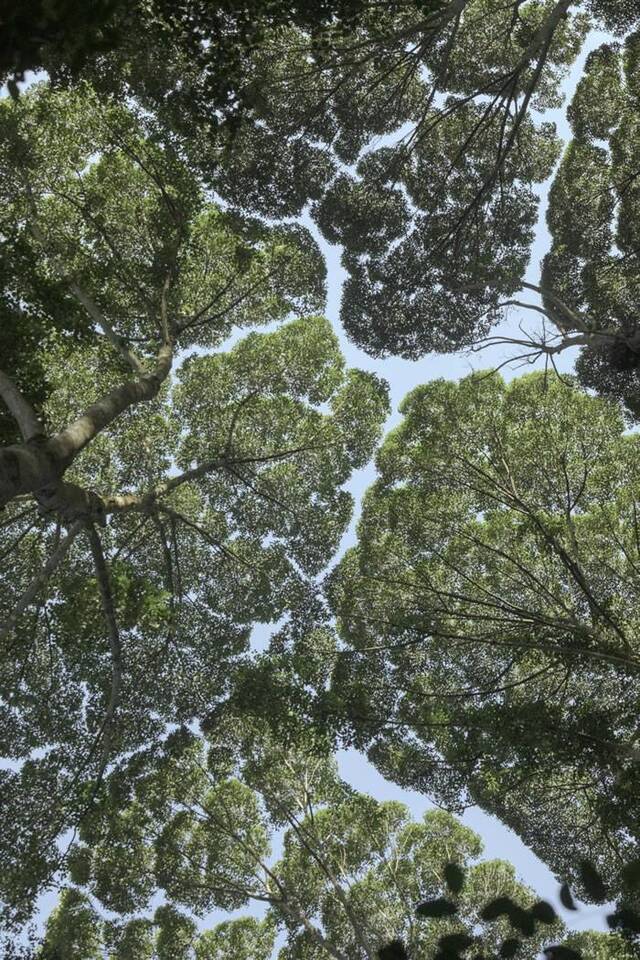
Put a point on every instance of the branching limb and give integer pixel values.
(108, 607)
(40, 579)
(104, 324)
(84, 298)
(205, 535)
(67, 444)
(575, 319)
(20, 409)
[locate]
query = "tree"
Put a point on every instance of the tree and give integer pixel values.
(38, 34)
(71, 929)
(195, 820)
(592, 216)
(600, 946)
(281, 105)
(62, 39)
(436, 223)
(166, 497)
(489, 614)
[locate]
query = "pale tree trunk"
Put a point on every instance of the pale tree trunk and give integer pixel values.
(37, 465)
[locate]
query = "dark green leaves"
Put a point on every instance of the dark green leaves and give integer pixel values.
(436, 908)
(393, 951)
(451, 946)
(447, 476)
(562, 953)
(543, 912)
(565, 897)
(510, 948)
(592, 882)
(631, 874)
(625, 919)
(454, 877)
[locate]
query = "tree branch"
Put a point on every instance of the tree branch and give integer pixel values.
(40, 579)
(101, 320)
(67, 444)
(106, 595)
(20, 409)
(83, 297)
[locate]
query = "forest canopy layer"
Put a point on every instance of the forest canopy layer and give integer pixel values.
(179, 436)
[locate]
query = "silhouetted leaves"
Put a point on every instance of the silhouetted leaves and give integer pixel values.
(452, 945)
(393, 951)
(592, 881)
(631, 874)
(543, 912)
(499, 907)
(454, 877)
(566, 899)
(522, 920)
(440, 907)
(559, 952)
(510, 948)
(624, 919)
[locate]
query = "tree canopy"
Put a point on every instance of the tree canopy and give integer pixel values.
(178, 431)
(414, 135)
(592, 264)
(490, 613)
(151, 517)
(198, 823)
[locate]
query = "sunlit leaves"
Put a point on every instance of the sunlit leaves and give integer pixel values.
(73, 929)
(127, 256)
(350, 869)
(244, 939)
(494, 578)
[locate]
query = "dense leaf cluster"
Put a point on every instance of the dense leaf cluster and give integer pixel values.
(490, 611)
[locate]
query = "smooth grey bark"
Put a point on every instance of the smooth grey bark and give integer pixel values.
(38, 465)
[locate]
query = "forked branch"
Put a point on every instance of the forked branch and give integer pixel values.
(40, 579)
(20, 409)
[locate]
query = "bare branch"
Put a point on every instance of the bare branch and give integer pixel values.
(83, 298)
(104, 324)
(205, 535)
(578, 322)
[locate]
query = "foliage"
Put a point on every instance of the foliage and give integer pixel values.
(170, 495)
(196, 822)
(588, 945)
(592, 218)
(282, 105)
(270, 101)
(37, 32)
(490, 614)
(436, 221)
(166, 486)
